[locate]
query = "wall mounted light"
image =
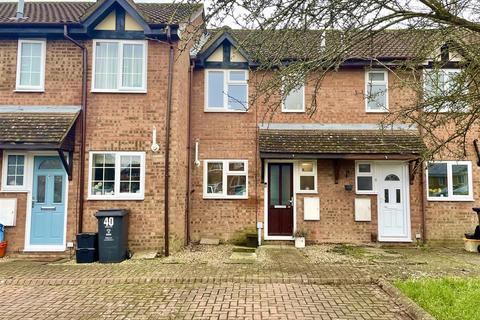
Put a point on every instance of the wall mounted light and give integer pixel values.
(197, 161)
(155, 147)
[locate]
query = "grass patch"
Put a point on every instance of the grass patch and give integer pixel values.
(446, 298)
(357, 252)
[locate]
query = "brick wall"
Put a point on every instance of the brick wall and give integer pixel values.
(115, 122)
(62, 87)
(340, 100)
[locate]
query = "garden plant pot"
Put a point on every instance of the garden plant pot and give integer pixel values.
(300, 242)
(3, 248)
(472, 245)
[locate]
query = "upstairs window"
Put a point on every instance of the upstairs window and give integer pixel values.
(376, 88)
(441, 89)
(294, 101)
(31, 65)
(449, 181)
(119, 66)
(226, 90)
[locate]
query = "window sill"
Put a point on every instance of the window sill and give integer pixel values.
(371, 193)
(117, 91)
(224, 198)
(14, 190)
(376, 111)
(293, 111)
(224, 111)
(450, 199)
(96, 198)
(26, 90)
(307, 192)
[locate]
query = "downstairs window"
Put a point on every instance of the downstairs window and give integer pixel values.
(449, 181)
(117, 176)
(225, 179)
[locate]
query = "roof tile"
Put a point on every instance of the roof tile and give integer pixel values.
(340, 142)
(35, 127)
(72, 12)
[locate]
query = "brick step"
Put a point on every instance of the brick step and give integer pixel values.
(39, 256)
(244, 249)
(278, 242)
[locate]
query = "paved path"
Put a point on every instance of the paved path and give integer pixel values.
(283, 284)
(198, 301)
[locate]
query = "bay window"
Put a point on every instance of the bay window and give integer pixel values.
(117, 175)
(225, 179)
(449, 181)
(226, 90)
(119, 66)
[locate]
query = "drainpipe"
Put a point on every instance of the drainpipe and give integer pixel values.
(424, 203)
(81, 176)
(189, 152)
(167, 139)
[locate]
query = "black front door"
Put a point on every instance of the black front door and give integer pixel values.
(280, 199)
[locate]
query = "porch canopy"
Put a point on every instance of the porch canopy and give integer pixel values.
(39, 128)
(355, 142)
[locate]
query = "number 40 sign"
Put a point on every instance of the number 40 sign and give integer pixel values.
(108, 222)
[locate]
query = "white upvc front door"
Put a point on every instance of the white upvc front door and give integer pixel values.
(393, 203)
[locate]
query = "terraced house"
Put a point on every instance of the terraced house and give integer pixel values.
(114, 104)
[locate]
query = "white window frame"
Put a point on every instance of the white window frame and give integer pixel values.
(120, 88)
(452, 197)
(365, 174)
(41, 87)
(313, 174)
(446, 109)
(225, 173)
(226, 82)
(367, 83)
(6, 187)
(118, 195)
(286, 110)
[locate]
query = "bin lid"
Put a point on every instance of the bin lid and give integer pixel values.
(111, 213)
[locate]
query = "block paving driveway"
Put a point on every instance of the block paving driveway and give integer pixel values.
(198, 301)
(203, 284)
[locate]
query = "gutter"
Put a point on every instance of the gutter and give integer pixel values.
(167, 141)
(81, 176)
(189, 151)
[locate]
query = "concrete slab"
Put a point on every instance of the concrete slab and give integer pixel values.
(242, 258)
(144, 255)
(244, 249)
(210, 241)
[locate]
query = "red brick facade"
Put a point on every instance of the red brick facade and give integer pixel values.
(125, 121)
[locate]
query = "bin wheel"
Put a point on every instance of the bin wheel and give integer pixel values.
(129, 254)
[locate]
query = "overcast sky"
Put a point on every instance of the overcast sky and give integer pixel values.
(151, 1)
